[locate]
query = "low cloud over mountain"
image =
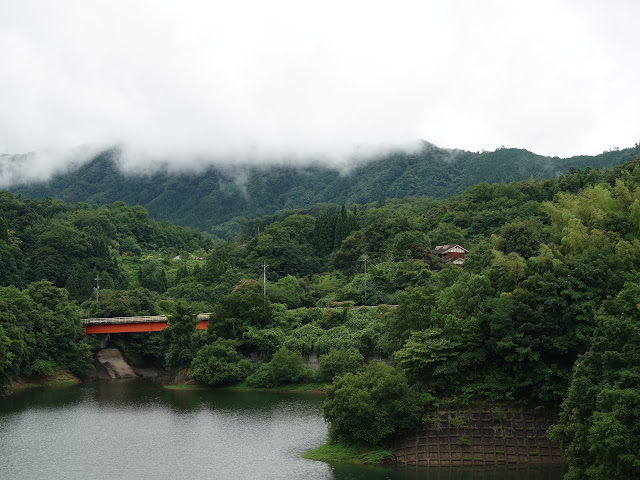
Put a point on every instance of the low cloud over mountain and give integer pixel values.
(185, 85)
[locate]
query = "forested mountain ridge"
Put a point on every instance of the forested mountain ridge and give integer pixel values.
(217, 199)
(544, 310)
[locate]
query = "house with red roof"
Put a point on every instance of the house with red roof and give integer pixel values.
(450, 253)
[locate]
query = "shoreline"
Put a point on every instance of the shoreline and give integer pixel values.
(352, 455)
(311, 388)
(448, 426)
(60, 378)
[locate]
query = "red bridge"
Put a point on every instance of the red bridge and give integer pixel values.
(153, 323)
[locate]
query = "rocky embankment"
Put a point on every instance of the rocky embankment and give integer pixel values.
(115, 365)
(111, 364)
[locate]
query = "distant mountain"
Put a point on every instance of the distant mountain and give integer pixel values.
(217, 199)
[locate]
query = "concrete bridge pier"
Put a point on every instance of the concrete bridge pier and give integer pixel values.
(103, 338)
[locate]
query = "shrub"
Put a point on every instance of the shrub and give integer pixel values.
(285, 367)
(333, 318)
(339, 362)
(44, 367)
(218, 363)
(370, 405)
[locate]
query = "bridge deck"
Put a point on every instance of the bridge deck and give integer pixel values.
(120, 320)
(150, 323)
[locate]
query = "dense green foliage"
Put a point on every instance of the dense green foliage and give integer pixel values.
(217, 199)
(50, 253)
(543, 312)
(339, 362)
(40, 332)
(235, 313)
(600, 424)
(369, 406)
(69, 244)
(284, 367)
(218, 363)
(181, 340)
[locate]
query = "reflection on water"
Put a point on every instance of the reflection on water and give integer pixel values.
(498, 472)
(137, 429)
(42, 398)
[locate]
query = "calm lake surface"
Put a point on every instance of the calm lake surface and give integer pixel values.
(136, 429)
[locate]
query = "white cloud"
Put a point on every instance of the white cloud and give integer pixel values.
(195, 82)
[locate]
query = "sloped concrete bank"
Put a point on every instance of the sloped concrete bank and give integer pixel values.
(111, 364)
(115, 365)
(488, 435)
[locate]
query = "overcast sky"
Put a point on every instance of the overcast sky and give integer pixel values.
(189, 82)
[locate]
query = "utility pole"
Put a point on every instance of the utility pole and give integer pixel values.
(364, 259)
(97, 289)
(264, 278)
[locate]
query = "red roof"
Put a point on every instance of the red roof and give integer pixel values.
(442, 249)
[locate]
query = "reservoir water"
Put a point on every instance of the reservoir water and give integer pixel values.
(134, 429)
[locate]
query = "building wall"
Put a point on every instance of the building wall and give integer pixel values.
(481, 436)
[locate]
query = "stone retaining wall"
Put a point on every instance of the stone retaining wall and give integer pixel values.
(481, 436)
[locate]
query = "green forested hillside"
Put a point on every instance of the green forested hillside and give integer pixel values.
(216, 200)
(543, 312)
(50, 253)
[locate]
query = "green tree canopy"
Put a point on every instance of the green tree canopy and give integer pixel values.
(369, 406)
(218, 363)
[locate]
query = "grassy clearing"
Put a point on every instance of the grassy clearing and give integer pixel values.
(360, 455)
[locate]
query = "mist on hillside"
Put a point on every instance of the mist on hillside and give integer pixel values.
(182, 87)
(41, 166)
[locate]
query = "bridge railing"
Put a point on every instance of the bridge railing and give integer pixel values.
(114, 320)
(140, 319)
